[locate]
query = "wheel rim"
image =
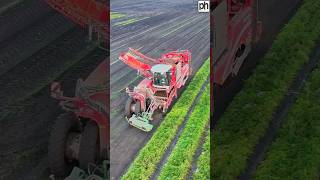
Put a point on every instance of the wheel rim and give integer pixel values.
(72, 146)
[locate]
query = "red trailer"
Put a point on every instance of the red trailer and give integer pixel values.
(235, 28)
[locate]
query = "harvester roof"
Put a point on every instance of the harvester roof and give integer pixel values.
(160, 68)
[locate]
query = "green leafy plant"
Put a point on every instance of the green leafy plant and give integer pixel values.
(180, 159)
(116, 15)
(295, 154)
(203, 163)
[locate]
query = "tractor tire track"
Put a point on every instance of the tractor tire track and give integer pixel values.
(264, 143)
(172, 145)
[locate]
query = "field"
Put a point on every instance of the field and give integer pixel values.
(296, 147)
(37, 46)
(266, 97)
(161, 27)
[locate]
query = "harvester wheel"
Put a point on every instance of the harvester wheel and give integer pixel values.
(128, 106)
(137, 107)
(88, 145)
(58, 163)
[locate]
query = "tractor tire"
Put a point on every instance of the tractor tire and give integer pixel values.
(89, 145)
(129, 103)
(58, 163)
(137, 107)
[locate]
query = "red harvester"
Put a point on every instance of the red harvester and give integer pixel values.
(163, 77)
(235, 28)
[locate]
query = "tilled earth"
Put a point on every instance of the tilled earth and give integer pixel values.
(37, 46)
(167, 26)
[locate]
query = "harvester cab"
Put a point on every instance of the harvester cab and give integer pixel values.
(163, 77)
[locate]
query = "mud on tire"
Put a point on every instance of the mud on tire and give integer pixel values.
(129, 103)
(58, 164)
(88, 152)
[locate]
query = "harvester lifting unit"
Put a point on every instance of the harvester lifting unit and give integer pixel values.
(163, 77)
(235, 29)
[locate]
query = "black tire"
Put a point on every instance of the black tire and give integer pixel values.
(58, 164)
(137, 107)
(89, 145)
(128, 107)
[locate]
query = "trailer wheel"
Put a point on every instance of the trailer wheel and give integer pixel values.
(128, 106)
(89, 145)
(58, 163)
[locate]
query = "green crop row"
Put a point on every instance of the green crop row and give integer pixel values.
(295, 154)
(129, 21)
(203, 163)
(180, 159)
(246, 119)
(116, 15)
(149, 156)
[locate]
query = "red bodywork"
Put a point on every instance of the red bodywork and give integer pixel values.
(180, 71)
(90, 102)
(235, 27)
(87, 13)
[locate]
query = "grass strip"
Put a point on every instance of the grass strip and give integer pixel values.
(129, 21)
(203, 163)
(295, 154)
(180, 160)
(149, 156)
(116, 15)
(247, 117)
